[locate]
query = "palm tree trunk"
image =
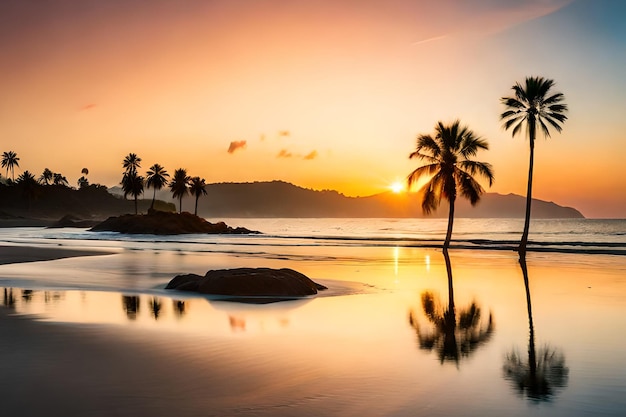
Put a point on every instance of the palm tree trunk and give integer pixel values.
(180, 204)
(522, 246)
(153, 198)
(195, 212)
(446, 244)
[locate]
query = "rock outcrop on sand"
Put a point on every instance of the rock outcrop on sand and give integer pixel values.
(164, 223)
(248, 282)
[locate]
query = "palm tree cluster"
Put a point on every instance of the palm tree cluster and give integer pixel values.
(9, 161)
(156, 178)
(449, 168)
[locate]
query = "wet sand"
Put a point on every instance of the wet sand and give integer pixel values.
(19, 254)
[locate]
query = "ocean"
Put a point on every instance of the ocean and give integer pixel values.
(375, 343)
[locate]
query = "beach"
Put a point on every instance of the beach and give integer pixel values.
(98, 335)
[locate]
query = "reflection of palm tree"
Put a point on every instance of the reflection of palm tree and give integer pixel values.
(197, 188)
(449, 168)
(155, 307)
(10, 160)
(156, 178)
(534, 105)
(545, 369)
(131, 306)
(9, 298)
(179, 186)
(452, 337)
(179, 307)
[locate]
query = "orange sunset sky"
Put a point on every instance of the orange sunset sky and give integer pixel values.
(326, 94)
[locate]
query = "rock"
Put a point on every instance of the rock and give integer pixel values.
(164, 223)
(248, 282)
(73, 221)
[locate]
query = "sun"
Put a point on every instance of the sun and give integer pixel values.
(397, 187)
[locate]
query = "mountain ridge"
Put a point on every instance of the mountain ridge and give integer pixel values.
(275, 199)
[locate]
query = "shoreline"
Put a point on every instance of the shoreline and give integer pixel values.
(10, 254)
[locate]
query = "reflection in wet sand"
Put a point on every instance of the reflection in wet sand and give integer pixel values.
(544, 373)
(452, 336)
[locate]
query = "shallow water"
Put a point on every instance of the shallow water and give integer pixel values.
(368, 347)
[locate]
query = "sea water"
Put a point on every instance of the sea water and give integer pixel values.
(369, 346)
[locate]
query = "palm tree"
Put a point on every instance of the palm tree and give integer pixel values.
(29, 186)
(82, 182)
(46, 177)
(59, 179)
(131, 163)
(449, 167)
(197, 188)
(132, 184)
(156, 178)
(179, 186)
(534, 105)
(10, 161)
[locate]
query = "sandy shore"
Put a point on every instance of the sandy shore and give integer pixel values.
(19, 254)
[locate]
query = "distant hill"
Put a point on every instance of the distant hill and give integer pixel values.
(282, 199)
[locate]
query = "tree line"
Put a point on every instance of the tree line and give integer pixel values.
(156, 178)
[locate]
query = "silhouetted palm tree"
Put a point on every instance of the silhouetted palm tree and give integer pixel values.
(180, 186)
(545, 369)
(59, 179)
(10, 160)
(451, 336)
(449, 167)
(82, 182)
(197, 188)
(46, 177)
(534, 105)
(132, 184)
(156, 178)
(29, 186)
(131, 163)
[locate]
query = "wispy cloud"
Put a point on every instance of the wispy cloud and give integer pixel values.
(235, 145)
(87, 107)
(311, 155)
(427, 40)
(284, 153)
(284, 133)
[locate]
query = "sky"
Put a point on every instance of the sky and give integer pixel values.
(325, 94)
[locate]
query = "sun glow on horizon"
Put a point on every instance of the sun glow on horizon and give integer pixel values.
(397, 187)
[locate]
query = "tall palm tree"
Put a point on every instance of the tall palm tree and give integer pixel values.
(449, 167)
(180, 186)
(156, 178)
(131, 163)
(46, 177)
(534, 105)
(132, 184)
(10, 160)
(197, 188)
